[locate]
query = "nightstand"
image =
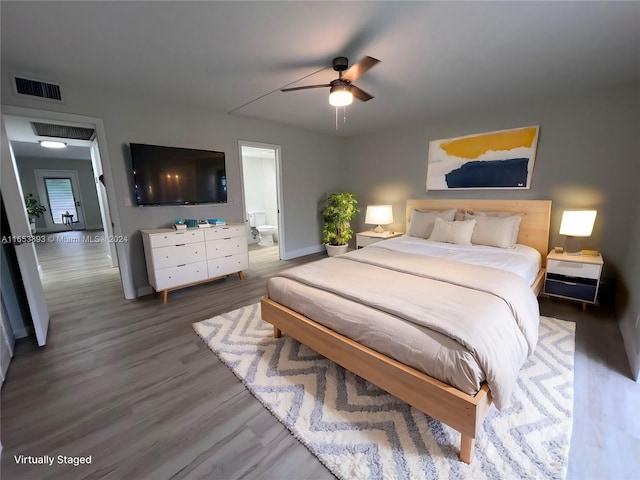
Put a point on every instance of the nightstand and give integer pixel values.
(574, 277)
(367, 238)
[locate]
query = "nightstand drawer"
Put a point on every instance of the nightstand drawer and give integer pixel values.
(574, 269)
(363, 241)
(573, 290)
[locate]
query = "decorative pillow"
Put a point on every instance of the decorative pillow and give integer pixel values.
(421, 223)
(453, 232)
(495, 231)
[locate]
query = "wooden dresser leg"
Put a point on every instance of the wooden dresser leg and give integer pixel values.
(276, 332)
(241, 275)
(165, 294)
(466, 448)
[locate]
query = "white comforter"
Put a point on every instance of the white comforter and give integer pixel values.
(521, 260)
(492, 313)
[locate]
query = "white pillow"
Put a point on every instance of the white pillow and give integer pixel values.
(495, 231)
(453, 232)
(421, 223)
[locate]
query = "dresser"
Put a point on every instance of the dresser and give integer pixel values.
(181, 258)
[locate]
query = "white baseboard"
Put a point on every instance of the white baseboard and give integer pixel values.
(302, 252)
(20, 333)
(148, 290)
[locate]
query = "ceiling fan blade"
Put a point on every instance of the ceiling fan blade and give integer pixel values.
(357, 70)
(304, 88)
(360, 94)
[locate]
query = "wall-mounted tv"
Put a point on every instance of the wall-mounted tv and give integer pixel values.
(178, 176)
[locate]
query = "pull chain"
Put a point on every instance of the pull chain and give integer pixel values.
(344, 115)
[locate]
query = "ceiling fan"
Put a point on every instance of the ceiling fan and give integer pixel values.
(342, 88)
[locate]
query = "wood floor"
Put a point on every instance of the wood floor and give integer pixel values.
(129, 383)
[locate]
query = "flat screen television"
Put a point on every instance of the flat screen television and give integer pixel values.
(178, 176)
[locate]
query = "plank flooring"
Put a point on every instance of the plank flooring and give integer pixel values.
(129, 383)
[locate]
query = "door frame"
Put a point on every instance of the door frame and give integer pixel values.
(279, 197)
(40, 175)
(126, 274)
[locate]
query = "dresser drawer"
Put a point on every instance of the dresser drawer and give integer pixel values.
(226, 265)
(573, 290)
(180, 275)
(574, 269)
(227, 231)
(226, 246)
(174, 255)
(176, 238)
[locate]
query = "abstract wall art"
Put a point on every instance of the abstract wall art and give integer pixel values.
(501, 159)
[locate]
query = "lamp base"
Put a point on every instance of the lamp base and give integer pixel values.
(573, 245)
(378, 229)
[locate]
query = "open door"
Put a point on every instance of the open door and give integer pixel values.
(25, 250)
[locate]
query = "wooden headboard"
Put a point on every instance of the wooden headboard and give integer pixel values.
(534, 227)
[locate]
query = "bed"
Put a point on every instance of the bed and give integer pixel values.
(461, 406)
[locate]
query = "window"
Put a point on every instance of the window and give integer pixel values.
(61, 199)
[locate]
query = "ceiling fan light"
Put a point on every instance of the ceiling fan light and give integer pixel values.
(340, 96)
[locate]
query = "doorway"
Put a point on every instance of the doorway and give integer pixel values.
(17, 128)
(261, 186)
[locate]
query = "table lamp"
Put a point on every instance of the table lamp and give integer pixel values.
(576, 224)
(379, 215)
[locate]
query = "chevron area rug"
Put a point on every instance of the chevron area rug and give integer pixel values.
(361, 432)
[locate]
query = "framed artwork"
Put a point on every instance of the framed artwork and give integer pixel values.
(501, 159)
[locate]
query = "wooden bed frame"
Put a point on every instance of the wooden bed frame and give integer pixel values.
(464, 413)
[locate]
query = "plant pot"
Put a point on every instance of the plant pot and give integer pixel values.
(335, 250)
(32, 227)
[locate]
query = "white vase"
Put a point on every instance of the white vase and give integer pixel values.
(335, 250)
(32, 227)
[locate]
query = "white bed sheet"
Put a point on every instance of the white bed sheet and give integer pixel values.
(523, 260)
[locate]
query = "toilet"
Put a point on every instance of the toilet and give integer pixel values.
(258, 220)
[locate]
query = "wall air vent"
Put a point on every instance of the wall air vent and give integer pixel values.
(36, 89)
(62, 131)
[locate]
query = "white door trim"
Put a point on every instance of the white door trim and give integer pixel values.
(12, 196)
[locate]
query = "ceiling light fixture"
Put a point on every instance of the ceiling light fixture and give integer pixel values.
(340, 95)
(52, 144)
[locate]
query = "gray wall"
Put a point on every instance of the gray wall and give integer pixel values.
(89, 196)
(587, 158)
(311, 163)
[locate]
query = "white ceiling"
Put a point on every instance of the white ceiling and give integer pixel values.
(437, 58)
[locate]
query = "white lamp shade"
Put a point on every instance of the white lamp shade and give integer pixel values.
(577, 223)
(379, 215)
(340, 96)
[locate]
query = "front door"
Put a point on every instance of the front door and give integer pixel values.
(60, 194)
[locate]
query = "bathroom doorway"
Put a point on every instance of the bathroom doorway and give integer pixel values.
(261, 180)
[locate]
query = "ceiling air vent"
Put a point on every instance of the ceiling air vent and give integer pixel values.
(38, 89)
(62, 131)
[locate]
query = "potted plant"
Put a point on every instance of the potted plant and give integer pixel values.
(337, 212)
(34, 210)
